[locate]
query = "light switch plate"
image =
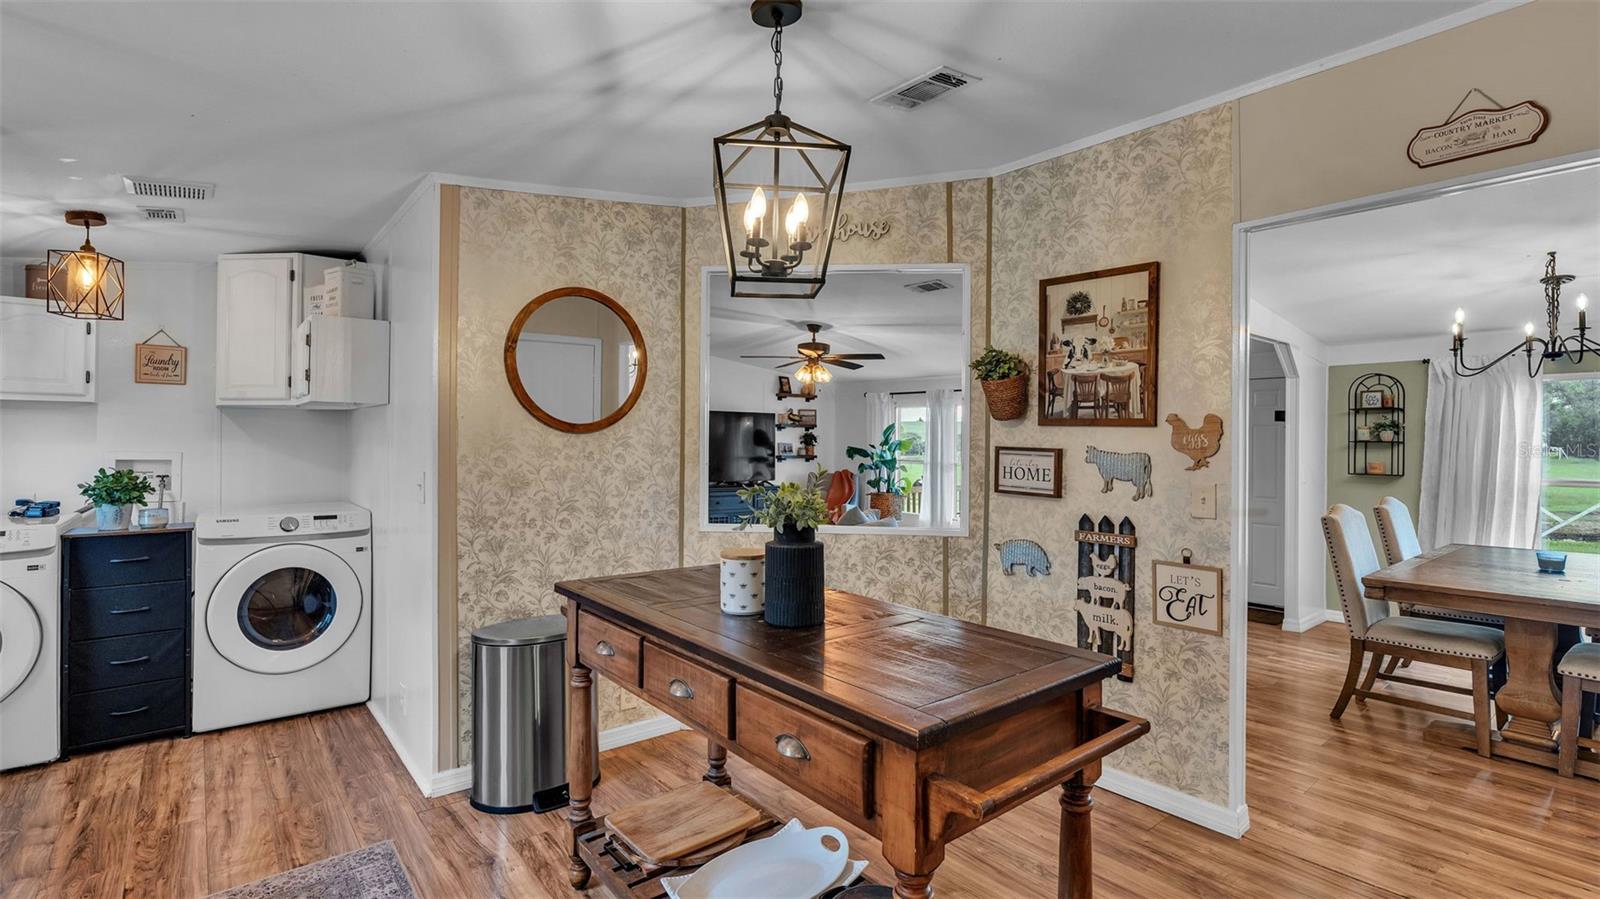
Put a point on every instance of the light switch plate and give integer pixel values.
(1203, 501)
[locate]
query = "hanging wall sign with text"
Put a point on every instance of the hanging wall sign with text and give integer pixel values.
(1186, 595)
(1103, 599)
(160, 363)
(1489, 128)
(1027, 471)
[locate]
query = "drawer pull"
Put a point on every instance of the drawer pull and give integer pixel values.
(604, 649)
(126, 712)
(136, 660)
(125, 561)
(680, 689)
(133, 611)
(790, 747)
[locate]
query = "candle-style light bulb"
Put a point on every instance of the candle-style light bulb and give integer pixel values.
(795, 222)
(1583, 313)
(1455, 329)
(1461, 316)
(1527, 334)
(754, 212)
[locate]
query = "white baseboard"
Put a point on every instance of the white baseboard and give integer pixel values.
(412, 768)
(457, 779)
(1223, 820)
(1312, 619)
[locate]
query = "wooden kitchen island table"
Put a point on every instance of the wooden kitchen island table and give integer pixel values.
(913, 726)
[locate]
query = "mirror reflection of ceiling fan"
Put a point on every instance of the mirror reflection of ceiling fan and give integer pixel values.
(812, 356)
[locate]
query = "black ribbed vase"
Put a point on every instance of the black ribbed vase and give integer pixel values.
(793, 583)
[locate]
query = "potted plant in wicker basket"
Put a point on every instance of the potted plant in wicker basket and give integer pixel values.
(793, 577)
(114, 494)
(1005, 383)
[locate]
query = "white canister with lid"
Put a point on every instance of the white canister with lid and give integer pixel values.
(743, 576)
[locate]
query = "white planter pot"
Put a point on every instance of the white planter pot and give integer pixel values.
(112, 518)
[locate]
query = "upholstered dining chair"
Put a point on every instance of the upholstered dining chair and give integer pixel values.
(1085, 393)
(1398, 536)
(1580, 674)
(1373, 631)
(1119, 394)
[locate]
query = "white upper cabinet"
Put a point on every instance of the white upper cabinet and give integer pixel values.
(43, 356)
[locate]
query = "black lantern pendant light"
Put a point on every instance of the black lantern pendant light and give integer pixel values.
(85, 283)
(789, 179)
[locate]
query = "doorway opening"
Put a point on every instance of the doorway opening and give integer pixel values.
(1268, 451)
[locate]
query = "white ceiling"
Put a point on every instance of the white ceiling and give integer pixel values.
(315, 120)
(1402, 271)
(920, 334)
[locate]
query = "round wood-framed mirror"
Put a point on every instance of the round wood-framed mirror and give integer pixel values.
(575, 359)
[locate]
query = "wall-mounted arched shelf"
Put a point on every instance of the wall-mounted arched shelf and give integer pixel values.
(1376, 433)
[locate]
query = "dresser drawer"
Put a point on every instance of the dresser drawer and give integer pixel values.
(114, 611)
(127, 559)
(687, 689)
(114, 714)
(120, 661)
(608, 648)
(821, 759)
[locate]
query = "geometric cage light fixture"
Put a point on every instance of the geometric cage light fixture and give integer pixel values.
(790, 180)
(85, 283)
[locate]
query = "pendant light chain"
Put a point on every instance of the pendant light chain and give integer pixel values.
(777, 65)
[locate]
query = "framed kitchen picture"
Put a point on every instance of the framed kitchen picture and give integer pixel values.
(1027, 471)
(1098, 347)
(1187, 596)
(1372, 399)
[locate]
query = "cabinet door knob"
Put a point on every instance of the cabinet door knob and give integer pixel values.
(604, 649)
(680, 689)
(790, 747)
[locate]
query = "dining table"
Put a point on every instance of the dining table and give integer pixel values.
(1543, 614)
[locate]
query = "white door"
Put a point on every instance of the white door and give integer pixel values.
(1266, 464)
(44, 356)
(284, 608)
(255, 310)
(562, 374)
(21, 639)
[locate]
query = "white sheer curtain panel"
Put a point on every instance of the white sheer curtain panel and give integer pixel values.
(942, 450)
(1480, 458)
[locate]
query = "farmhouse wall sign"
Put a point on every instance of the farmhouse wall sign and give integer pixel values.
(874, 230)
(1199, 444)
(1131, 467)
(1103, 600)
(160, 363)
(1478, 131)
(1187, 595)
(1027, 471)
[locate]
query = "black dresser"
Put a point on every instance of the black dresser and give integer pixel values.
(125, 625)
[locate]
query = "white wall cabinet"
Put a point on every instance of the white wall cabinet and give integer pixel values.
(44, 357)
(262, 353)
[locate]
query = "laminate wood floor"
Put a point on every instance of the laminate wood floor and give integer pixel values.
(1357, 808)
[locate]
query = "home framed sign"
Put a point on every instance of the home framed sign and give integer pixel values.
(1186, 595)
(1027, 471)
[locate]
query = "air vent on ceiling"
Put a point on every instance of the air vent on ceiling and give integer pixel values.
(929, 286)
(168, 190)
(924, 88)
(161, 213)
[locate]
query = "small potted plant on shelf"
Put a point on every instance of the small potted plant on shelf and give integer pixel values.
(114, 494)
(1004, 377)
(808, 446)
(881, 467)
(793, 579)
(1386, 430)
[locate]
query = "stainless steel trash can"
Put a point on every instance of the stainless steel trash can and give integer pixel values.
(519, 716)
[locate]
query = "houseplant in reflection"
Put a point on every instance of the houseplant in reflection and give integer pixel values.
(1386, 430)
(114, 494)
(1004, 377)
(882, 468)
(793, 579)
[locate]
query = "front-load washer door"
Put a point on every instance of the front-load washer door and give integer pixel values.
(284, 608)
(21, 638)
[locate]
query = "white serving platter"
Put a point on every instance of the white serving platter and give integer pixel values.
(794, 863)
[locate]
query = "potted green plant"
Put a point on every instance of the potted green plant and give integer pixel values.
(1386, 430)
(793, 578)
(114, 494)
(1004, 377)
(808, 440)
(882, 467)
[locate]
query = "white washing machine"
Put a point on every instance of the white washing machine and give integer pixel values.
(30, 639)
(282, 612)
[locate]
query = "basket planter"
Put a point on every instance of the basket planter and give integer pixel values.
(793, 579)
(1008, 398)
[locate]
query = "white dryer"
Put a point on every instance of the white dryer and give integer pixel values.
(30, 639)
(282, 612)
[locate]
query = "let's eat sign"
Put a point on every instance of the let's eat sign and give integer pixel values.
(1027, 471)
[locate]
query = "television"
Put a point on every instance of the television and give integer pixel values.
(740, 447)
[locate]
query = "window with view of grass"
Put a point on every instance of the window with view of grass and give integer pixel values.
(1569, 499)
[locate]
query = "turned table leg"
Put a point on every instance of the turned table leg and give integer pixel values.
(580, 767)
(716, 764)
(912, 886)
(1075, 866)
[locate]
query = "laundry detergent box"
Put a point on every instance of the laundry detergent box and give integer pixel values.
(347, 291)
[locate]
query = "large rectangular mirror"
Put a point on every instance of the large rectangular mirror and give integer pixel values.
(868, 380)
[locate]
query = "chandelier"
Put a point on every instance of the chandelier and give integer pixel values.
(778, 247)
(1536, 349)
(84, 283)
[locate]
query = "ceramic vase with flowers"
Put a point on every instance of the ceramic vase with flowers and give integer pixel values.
(793, 579)
(114, 494)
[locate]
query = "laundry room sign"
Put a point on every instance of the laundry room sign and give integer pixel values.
(160, 363)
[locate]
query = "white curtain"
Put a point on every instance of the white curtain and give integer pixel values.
(880, 407)
(1481, 458)
(940, 495)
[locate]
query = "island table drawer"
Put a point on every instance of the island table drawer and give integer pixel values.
(821, 759)
(611, 649)
(688, 689)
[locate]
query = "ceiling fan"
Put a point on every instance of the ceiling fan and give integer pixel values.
(813, 353)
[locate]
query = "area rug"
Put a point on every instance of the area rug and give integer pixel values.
(371, 873)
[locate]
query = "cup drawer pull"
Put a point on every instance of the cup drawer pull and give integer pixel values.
(136, 660)
(131, 559)
(680, 689)
(605, 649)
(133, 611)
(126, 712)
(790, 747)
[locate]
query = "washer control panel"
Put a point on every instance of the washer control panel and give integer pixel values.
(26, 538)
(316, 521)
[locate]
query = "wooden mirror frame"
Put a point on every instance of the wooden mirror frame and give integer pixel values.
(515, 332)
